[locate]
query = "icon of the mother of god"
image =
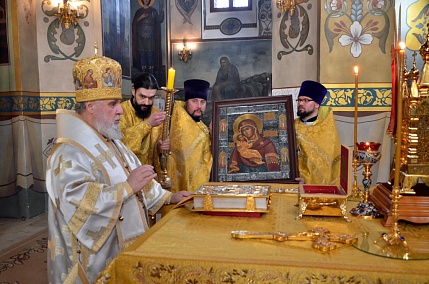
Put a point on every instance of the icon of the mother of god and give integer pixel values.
(253, 152)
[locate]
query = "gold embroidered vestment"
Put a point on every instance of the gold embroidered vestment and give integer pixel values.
(319, 149)
(190, 162)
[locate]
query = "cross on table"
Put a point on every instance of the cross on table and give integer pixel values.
(321, 238)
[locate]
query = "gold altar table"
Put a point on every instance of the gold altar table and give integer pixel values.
(190, 247)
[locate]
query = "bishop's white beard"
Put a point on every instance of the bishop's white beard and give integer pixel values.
(109, 131)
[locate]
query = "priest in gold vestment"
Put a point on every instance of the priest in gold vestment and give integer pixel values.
(141, 123)
(100, 196)
(190, 162)
(317, 138)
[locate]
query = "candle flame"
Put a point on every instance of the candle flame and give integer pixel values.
(356, 70)
(402, 45)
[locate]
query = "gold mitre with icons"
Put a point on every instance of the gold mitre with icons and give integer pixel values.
(97, 78)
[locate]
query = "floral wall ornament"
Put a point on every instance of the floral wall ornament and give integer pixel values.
(294, 30)
(358, 26)
(416, 19)
(58, 36)
(355, 36)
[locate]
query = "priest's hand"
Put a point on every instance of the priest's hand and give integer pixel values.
(140, 177)
(156, 118)
(300, 180)
(179, 196)
(164, 145)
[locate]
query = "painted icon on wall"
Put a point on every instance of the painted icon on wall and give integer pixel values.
(146, 38)
(116, 31)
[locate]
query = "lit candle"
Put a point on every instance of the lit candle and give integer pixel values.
(170, 80)
(356, 69)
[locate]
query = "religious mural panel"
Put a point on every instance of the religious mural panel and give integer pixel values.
(116, 31)
(134, 35)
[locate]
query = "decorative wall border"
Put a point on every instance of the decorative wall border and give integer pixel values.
(372, 96)
(35, 103)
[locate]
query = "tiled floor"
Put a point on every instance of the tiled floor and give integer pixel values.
(16, 231)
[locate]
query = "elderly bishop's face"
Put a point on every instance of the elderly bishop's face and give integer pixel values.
(106, 118)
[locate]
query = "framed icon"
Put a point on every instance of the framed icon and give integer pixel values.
(253, 139)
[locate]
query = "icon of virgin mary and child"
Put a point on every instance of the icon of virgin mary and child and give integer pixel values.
(253, 152)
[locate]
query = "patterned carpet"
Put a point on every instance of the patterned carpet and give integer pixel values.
(26, 262)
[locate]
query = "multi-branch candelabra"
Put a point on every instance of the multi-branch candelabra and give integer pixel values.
(68, 14)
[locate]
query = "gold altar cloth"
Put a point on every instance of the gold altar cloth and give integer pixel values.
(190, 247)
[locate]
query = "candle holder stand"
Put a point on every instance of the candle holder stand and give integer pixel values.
(356, 194)
(393, 244)
(366, 155)
(164, 180)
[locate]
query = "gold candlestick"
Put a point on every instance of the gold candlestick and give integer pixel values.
(165, 181)
(393, 244)
(355, 191)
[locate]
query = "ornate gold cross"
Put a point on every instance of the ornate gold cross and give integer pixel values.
(321, 238)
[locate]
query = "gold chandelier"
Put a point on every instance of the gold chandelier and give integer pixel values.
(67, 13)
(284, 5)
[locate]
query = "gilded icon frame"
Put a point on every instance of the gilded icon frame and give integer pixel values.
(274, 117)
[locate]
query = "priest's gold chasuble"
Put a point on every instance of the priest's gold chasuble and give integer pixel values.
(190, 162)
(139, 136)
(319, 149)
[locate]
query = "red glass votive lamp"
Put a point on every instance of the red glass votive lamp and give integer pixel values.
(368, 146)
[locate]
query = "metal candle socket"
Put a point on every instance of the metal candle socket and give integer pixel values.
(367, 155)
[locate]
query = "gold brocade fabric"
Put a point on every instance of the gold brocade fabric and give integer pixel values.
(139, 136)
(190, 162)
(319, 149)
(190, 247)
